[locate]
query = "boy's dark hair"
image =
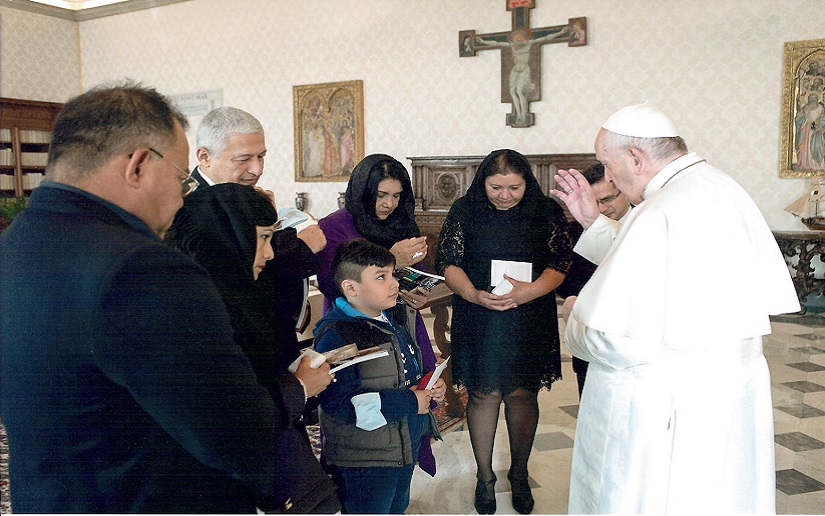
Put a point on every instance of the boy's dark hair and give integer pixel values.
(351, 258)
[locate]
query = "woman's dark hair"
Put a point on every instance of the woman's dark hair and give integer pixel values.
(505, 162)
(361, 196)
(386, 169)
(216, 227)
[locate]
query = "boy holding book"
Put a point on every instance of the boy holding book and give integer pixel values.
(374, 414)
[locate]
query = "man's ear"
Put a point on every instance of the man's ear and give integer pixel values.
(203, 156)
(134, 170)
(638, 158)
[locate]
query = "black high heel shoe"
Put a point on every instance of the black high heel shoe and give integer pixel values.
(485, 501)
(522, 494)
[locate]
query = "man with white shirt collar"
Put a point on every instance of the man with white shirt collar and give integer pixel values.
(231, 148)
(676, 415)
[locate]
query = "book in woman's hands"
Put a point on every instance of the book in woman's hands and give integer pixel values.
(342, 357)
(378, 353)
(290, 217)
(409, 279)
(348, 355)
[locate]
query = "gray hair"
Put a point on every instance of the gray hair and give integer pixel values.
(108, 120)
(219, 124)
(655, 148)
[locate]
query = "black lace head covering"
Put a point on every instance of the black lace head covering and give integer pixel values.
(503, 161)
(216, 227)
(362, 193)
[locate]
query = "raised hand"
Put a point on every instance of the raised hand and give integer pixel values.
(574, 191)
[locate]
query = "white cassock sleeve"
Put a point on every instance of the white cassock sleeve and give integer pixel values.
(613, 351)
(597, 239)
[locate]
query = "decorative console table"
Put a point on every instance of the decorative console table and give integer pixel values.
(805, 246)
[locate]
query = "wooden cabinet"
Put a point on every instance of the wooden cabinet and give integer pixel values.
(25, 133)
(438, 181)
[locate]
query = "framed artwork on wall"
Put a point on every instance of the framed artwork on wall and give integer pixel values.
(802, 141)
(329, 130)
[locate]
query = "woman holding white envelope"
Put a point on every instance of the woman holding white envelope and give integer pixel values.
(504, 234)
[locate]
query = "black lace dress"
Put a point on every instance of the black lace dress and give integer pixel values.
(518, 347)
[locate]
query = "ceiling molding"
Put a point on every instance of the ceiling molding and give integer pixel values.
(86, 14)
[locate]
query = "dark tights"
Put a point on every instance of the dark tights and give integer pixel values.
(521, 413)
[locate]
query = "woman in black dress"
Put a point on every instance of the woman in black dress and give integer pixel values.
(504, 347)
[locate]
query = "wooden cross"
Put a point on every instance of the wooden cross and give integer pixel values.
(521, 56)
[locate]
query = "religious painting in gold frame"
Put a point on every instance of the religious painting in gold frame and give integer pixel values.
(329, 130)
(802, 141)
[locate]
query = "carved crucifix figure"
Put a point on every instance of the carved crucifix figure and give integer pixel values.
(521, 56)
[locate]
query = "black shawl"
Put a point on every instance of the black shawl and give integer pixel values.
(216, 227)
(361, 196)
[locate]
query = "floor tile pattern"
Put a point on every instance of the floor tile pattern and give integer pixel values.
(796, 358)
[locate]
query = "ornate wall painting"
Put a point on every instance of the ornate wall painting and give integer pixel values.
(802, 141)
(329, 130)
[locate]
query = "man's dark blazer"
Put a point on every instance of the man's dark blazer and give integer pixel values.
(282, 281)
(116, 397)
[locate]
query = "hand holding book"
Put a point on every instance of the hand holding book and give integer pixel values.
(414, 286)
(339, 358)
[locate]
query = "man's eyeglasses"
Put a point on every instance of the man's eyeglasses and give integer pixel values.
(187, 185)
(607, 200)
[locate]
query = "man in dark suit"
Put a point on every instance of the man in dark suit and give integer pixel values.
(231, 149)
(612, 204)
(117, 395)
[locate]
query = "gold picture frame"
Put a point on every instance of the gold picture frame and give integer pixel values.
(329, 130)
(802, 142)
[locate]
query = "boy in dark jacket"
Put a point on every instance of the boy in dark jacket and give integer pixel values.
(373, 415)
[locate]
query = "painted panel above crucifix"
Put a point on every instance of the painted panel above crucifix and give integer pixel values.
(521, 55)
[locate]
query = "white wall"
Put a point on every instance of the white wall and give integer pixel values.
(39, 56)
(714, 65)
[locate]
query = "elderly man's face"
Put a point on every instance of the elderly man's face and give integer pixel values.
(242, 161)
(619, 168)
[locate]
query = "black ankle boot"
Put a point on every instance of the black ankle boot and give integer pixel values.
(522, 495)
(486, 496)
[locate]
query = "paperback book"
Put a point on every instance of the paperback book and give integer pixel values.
(409, 279)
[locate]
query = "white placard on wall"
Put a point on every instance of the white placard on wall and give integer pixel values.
(195, 106)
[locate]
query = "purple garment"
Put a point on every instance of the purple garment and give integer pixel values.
(339, 227)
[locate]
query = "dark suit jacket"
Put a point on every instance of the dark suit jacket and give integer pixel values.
(116, 397)
(282, 284)
(580, 271)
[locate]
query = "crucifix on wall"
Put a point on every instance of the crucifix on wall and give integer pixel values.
(521, 55)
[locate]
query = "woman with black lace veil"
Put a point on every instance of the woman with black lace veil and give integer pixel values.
(505, 348)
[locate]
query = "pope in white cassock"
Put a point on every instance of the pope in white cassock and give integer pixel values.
(676, 413)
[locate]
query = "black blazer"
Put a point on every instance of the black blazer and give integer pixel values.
(116, 397)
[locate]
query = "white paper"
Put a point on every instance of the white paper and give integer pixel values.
(521, 271)
(436, 374)
(291, 217)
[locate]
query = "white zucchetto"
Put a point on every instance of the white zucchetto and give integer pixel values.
(641, 121)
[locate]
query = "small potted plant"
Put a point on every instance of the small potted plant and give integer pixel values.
(9, 208)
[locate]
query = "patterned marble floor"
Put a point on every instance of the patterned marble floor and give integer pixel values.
(796, 357)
